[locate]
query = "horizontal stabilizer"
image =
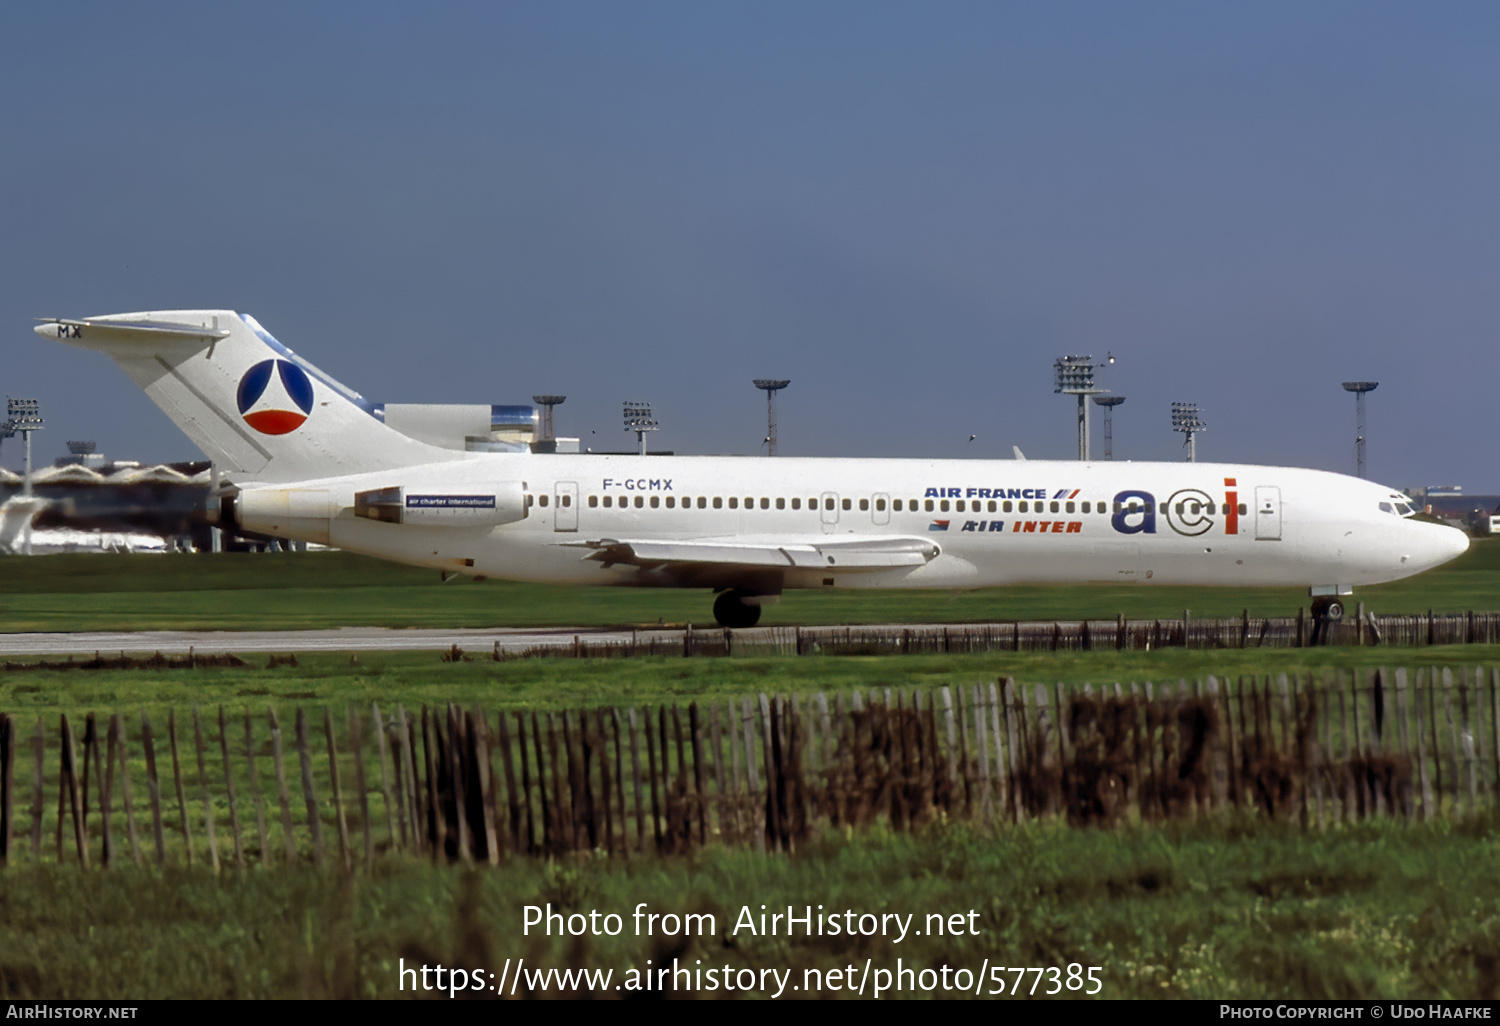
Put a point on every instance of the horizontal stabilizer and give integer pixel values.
(104, 330)
(851, 555)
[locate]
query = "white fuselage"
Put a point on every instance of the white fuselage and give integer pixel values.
(992, 522)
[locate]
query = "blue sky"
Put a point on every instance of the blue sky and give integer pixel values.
(908, 209)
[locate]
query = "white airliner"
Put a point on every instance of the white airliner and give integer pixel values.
(304, 457)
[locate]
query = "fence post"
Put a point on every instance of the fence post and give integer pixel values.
(356, 745)
(38, 800)
(70, 790)
(651, 775)
(512, 805)
(382, 750)
(606, 791)
(117, 730)
(981, 743)
(736, 780)
(7, 780)
(281, 789)
(234, 816)
(309, 797)
(153, 789)
(208, 805)
(532, 843)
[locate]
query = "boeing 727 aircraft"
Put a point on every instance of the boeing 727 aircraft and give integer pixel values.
(304, 457)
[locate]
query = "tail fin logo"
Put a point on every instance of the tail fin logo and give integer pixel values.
(275, 397)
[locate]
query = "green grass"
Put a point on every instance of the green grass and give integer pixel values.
(418, 678)
(1210, 910)
(242, 591)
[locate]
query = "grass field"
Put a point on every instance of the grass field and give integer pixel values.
(417, 678)
(1208, 910)
(243, 591)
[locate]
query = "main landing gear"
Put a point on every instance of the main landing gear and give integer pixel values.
(1326, 610)
(732, 609)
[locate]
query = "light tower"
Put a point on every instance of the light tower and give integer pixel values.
(771, 386)
(1359, 388)
(1075, 376)
(638, 419)
(24, 415)
(1185, 419)
(546, 402)
(1109, 402)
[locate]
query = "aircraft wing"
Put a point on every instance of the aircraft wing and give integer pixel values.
(822, 552)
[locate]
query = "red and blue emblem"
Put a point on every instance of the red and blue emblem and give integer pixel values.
(275, 397)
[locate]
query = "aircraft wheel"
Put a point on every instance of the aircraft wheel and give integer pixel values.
(731, 610)
(1329, 609)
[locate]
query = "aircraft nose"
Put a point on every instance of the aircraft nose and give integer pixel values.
(1439, 544)
(1456, 543)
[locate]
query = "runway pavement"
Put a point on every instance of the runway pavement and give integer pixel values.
(344, 639)
(388, 639)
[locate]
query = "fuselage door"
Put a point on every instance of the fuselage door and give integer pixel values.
(1267, 513)
(565, 507)
(828, 511)
(880, 509)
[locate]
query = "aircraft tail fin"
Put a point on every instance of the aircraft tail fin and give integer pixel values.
(254, 407)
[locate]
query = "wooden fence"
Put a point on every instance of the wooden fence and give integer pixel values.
(767, 772)
(1244, 631)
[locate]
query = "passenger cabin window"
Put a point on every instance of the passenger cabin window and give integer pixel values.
(541, 500)
(719, 502)
(846, 504)
(671, 502)
(703, 502)
(896, 505)
(928, 505)
(765, 503)
(1055, 506)
(880, 505)
(992, 506)
(828, 504)
(959, 506)
(780, 503)
(943, 505)
(864, 504)
(655, 502)
(593, 501)
(734, 502)
(567, 500)
(796, 504)
(1005, 507)
(1068, 507)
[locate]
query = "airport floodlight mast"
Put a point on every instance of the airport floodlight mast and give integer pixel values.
(1185, 418)
(771, 386)
(1359, 388)
(546, 402)
(638, 419)
(1109, 402)
(1075, 376)
(25, 416)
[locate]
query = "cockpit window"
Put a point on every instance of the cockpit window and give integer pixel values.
(1386, 507)
(1403, 509)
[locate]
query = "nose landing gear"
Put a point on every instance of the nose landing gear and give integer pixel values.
(1326, 610)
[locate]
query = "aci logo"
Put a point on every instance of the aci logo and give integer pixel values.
(274, 408)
